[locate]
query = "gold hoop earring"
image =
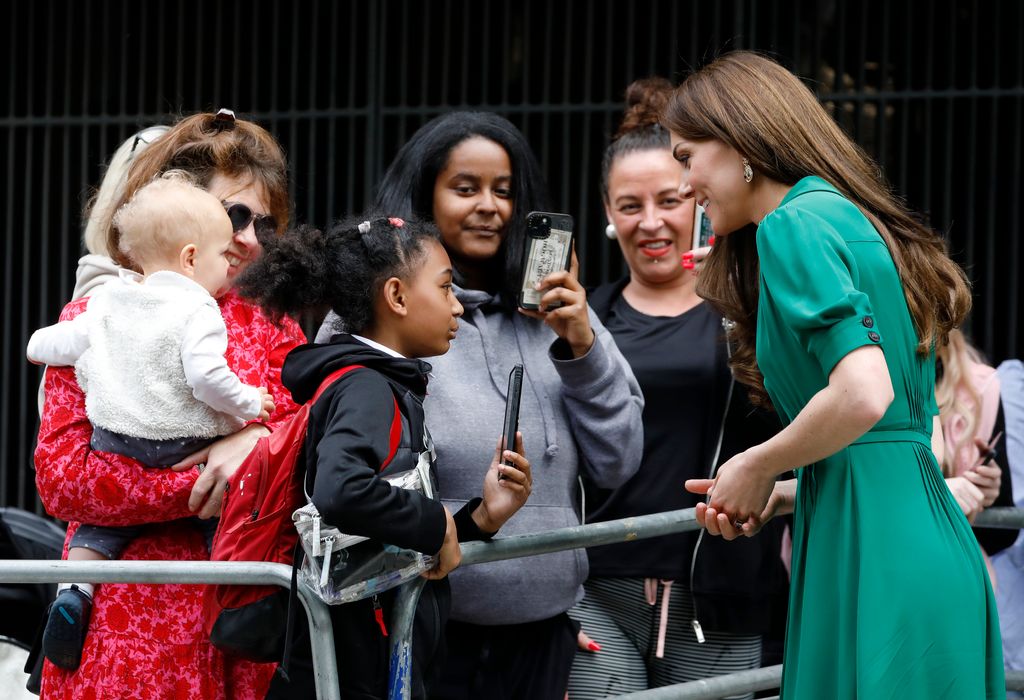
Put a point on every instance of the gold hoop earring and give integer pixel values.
(748, 172)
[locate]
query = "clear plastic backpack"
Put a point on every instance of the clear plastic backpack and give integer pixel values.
(342, 568)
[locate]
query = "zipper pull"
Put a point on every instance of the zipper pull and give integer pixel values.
(695, 623)
(326, 570)
(316, 535)
(378, 615)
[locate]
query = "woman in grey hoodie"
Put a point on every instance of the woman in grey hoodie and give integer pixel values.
(474, 176)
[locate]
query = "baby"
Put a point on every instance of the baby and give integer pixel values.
(148, 352)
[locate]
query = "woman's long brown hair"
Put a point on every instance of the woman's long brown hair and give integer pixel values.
(769, 116)
(203, 147)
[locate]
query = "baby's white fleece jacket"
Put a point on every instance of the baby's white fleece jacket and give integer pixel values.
(149, 356)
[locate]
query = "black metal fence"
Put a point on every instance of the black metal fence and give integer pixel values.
(932, 88)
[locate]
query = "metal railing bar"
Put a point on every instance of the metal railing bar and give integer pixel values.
(580, 536)
(503, 107)
(191, 572)
(1003, 517)
(767, 678)
(325, 669)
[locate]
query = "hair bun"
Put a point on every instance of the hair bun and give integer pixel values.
(645, 99)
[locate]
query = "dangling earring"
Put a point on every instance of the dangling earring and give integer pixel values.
(610, 232)
(748, 172)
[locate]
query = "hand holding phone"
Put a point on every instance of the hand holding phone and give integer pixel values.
(511, 422)
(548, 249)
(989, 451)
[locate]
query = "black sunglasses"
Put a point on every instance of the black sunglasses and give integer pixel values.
(241, 216)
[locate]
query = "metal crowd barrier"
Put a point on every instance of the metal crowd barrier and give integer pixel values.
(609, 532)
(245, 573)
(321, 634)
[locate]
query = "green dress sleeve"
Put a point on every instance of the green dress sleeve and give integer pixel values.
(809, 276)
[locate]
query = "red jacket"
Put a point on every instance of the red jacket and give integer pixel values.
(146, 641)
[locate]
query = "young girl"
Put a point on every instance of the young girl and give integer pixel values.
(390, 283)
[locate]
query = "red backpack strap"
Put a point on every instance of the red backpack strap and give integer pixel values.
(395, 434)
(331, 378)
(395, 437)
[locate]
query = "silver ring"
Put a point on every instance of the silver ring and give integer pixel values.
(201, 466)
(737, 524)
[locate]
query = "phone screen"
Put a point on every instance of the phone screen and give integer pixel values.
(512, 400)
(702, 232)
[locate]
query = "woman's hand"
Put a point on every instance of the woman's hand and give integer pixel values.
(780, 502)
(986, 475)
(504, 496)
(968, 496)
(221, 459)
(585, 643)
(450, 555)
(571, 321)
(742, 487)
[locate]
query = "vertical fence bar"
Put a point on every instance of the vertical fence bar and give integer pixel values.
(990, 271)
(290, 108)
(28, 176)
(972, 165)
(400, 667)
(350, 161)
(331, 179)
(1016, 185)
(881, 118)
(585, 197)
(373, 167)
(567, 117)
(948, 150)
(312, 63)
(6, 344)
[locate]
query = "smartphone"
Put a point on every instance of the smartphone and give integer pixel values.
(702, 232)
(990, 452)
(511, 424)
(548, 249)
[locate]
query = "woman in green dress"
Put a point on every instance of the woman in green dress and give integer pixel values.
(839, 296)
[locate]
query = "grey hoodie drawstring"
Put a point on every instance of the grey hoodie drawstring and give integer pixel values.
(550, 434)
(491, 360)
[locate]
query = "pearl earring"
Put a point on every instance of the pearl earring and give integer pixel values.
(610, 232)
(748, 172)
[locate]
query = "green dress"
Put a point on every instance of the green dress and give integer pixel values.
(890, 597)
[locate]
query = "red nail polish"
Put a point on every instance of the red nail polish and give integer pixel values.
(711, 240)
(594, 646)
(688, 265)
(688, 255)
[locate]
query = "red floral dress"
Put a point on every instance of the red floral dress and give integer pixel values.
(146, 641)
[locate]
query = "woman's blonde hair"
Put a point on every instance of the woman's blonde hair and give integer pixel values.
(769, 116)
(205, 145)
(101, 208)
(956, 393)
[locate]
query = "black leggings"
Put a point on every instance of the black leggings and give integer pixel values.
(530, 661)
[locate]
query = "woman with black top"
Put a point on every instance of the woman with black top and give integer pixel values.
(679, 607)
